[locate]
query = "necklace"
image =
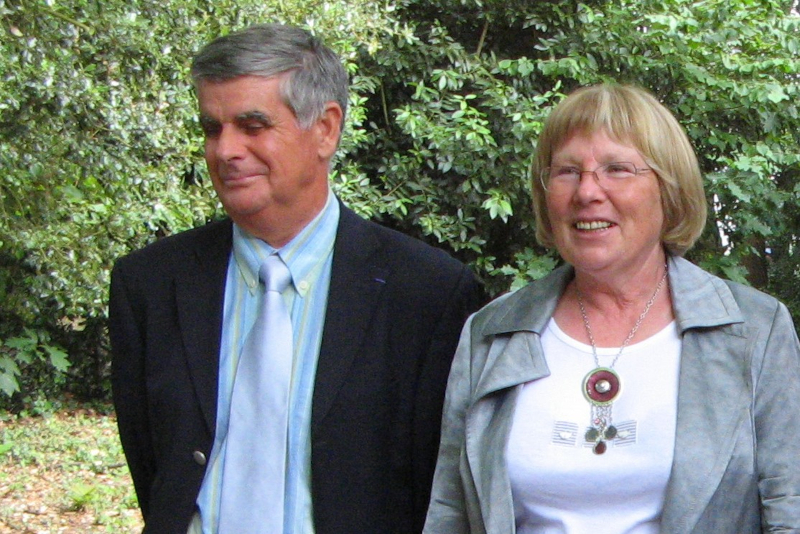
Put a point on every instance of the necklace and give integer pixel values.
(602, 386)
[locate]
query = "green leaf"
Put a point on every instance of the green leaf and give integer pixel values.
(8, 384)
(58, 358)
(22, 344)
(777, 94)
(72, 194)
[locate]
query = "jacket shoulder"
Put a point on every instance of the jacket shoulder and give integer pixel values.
(752, 302)
(176, 246)
(398, 248)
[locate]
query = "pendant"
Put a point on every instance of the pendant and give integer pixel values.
(600, 433)
(601, 386)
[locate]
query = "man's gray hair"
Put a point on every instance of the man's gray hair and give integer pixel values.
(315, 73)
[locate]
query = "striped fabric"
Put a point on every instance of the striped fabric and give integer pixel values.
(308, 256)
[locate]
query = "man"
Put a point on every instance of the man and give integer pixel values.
(375, 317)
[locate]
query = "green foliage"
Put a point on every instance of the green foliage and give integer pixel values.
(80, 495)
(102, 153)
(29, 350)
(469, 82)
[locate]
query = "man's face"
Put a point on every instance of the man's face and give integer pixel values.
(264, 167)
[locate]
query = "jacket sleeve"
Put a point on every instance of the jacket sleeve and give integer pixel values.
(465, 297)
(447, 512)
(128, 383)
(777, 425)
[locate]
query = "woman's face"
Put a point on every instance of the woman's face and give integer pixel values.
(616, 229)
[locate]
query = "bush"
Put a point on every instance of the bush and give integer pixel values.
(101, 149)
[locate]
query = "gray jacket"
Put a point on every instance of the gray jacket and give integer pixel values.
(736, 468)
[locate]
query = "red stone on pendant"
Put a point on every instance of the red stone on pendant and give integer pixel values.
(601, 386)
(600, 447)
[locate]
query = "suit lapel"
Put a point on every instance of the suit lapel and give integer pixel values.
(199, 293)
(355, 287)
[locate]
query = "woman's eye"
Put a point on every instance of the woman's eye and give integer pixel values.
(620, 169)
(566, 172)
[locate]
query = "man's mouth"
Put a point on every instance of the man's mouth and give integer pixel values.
(237, 177)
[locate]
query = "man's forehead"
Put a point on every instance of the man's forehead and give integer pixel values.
(241, 97)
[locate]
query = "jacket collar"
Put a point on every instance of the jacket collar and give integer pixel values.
(698, 299)
(199, 295)
(359, 275)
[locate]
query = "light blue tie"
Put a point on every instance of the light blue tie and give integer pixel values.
(253, 480)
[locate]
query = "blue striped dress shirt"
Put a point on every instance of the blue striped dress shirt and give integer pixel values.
(308, 257)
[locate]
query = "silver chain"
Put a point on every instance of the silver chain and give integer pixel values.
(633, 330)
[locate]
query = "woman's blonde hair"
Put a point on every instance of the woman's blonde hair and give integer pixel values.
(632, 116)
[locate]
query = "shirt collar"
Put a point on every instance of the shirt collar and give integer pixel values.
(305, 255)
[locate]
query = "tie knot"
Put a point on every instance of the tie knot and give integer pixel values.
(274, 274)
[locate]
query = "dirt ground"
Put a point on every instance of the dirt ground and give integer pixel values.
(64, 474)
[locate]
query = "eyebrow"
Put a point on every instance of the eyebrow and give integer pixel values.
(207, 120)
(253, 115)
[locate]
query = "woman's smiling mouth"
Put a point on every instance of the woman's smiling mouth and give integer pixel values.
(592, 225)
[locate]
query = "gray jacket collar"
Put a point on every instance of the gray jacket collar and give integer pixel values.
(699, 300)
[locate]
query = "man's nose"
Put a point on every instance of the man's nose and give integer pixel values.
(230, 144)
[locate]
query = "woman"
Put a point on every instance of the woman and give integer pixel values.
(629, 391)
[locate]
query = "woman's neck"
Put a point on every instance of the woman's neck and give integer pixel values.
(613, 306)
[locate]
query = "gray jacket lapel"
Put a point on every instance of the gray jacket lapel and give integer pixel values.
(713, 392)
(519, 359)
(524, 311)
(514, 358)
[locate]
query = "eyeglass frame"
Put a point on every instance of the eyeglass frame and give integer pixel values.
(546, 172)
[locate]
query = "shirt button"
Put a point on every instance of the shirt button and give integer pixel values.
(303, 286)
(199, 457)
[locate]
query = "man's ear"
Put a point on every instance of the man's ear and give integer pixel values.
(328, 129)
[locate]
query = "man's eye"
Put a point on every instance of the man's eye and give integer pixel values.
(210, 130)
(253, 127)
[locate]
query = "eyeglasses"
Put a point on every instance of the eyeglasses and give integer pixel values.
(609, 176)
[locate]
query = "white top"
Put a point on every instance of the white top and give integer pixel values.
(559, 485)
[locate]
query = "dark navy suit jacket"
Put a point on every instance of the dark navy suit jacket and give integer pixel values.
(395, 310)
